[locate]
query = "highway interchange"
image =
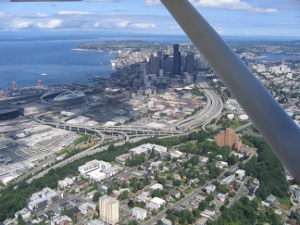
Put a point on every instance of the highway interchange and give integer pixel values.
(121, 134)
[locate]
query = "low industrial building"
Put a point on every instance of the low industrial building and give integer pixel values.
(147, 148)
(122, 158)
(93, 165)
(34, 108)
(44, 198)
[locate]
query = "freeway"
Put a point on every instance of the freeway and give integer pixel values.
(211, 110)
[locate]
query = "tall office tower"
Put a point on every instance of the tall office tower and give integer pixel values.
(160, 56)
(143, 68)
(176, 60)
(167, 64)
(151, 61)
(155, 65)
(109, 209)
(189, 63)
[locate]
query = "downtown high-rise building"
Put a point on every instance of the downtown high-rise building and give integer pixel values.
(109, 209)
(155, 65)
(189, 66)
(176, 60)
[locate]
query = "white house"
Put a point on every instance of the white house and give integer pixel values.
(208, 214)
(144, 197)
(221, 164)
(240, 174)
(158, 201)
(156, 186)
(176, 154)
(24, 213)
(155, 203)
(228, 180)
(61, 220)
(139, 213)
(210, 189)
(65, 183)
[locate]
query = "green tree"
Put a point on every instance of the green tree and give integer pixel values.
(123, 195)
(96, 197)
(133, 222)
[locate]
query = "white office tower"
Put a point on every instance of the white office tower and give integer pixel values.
(109, 209)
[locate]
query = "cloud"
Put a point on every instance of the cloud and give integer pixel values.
(231, 5)
(41, 15)
(221, 4)
(151, 2)
(51, 24)
(2, 14)
(127, 24)
(144, 25)
(122, 24)
(20, 25)
(75, 13)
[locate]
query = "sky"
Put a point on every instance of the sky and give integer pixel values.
(269, 18)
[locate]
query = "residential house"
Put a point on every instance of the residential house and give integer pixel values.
(86, 207)
(122, 158)
(156, 186)
(90, 195)
(175, 193)
(240, 174)
(228, 180)
(208, 213)
(210, 189)
(156, 203)
(82, 184)
(169, 183)
(65, 183)
(176, 176)
(61, 220)
(221, 164)
(222, 197)
(166, 221)
(143, 197)
(139, 213)
(24, 213)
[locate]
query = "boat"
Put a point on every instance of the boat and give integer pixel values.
(44, 75)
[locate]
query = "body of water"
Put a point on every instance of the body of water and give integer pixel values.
(277, 57)
(24, 61)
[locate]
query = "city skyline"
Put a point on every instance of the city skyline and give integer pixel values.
(229, 17)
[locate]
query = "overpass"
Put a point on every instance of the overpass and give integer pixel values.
(243, 127)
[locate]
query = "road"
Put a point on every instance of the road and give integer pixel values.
(211, 110)
(240, 192)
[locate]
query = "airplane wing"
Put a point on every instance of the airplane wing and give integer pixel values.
(280, 131)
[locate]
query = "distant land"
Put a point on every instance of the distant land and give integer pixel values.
(31, 36)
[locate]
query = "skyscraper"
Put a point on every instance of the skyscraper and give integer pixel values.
(155, 65)
(176, 60)
(109, 209)
(189, 63)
